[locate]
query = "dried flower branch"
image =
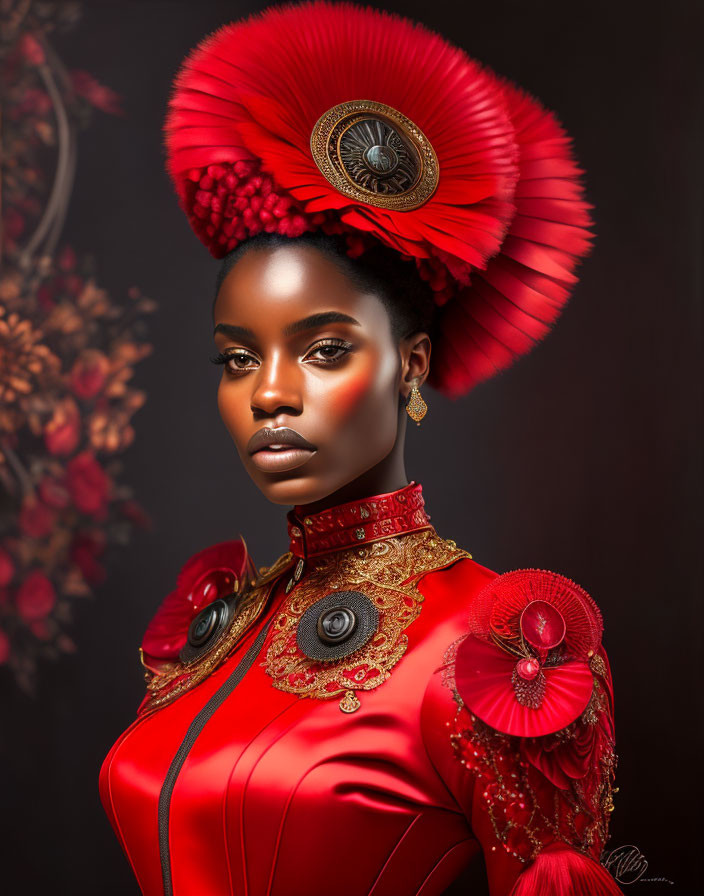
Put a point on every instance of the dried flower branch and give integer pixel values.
(67, 356)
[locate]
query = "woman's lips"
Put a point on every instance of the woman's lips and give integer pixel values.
(278, 460)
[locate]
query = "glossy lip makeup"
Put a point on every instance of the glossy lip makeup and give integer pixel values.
(280, 449)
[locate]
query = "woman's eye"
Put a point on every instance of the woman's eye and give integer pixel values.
(235, 362)
(239, 362)
(329, 351)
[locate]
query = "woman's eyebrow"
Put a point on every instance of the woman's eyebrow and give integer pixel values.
(234, 332)
(319, 320)
(306, 323)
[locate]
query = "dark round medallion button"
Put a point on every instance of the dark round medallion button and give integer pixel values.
(336, 624)
(381, 159)
(206, 628)
(203, 625)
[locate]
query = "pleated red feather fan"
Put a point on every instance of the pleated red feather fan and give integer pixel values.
(425, 151)
(525, 667)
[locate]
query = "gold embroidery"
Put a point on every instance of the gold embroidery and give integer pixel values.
(597, 665)
(350, 702)
(174, 679)
(489, 753)
(387, 572)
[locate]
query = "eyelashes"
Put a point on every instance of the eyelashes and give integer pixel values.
(226, 357)
(341, 347)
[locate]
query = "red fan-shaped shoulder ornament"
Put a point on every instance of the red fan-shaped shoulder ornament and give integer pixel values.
(214, 572)
(524, 668)
(334, 117)
(534, 722)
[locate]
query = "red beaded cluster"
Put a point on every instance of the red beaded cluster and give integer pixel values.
(228, 202)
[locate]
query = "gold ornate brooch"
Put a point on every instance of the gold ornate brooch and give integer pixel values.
(373, 153)
(341, 629)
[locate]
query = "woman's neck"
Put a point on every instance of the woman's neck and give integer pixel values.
(387, 476)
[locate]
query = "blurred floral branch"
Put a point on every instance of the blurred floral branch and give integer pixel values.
(67, 354)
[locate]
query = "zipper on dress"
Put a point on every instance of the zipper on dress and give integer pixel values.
(194, 730)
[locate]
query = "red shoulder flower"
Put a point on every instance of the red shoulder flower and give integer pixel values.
(524, 667)
(535, 712)
(214, 572)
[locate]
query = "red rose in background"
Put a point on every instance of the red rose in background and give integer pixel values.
(67, 259)
(85, 549)
(13, 225)
(89, 373)
(4, 647)
(211, 573)
(7, 567)
(40, 629)
(45, 297)
(34, 102)
(68, 354)
(97, 95)
(35, 597)
(54, 492)
(132, 511)
(36, 519)
(32, 50)
(63, 431)
(88, 485)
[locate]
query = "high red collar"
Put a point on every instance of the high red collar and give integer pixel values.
(357, 522)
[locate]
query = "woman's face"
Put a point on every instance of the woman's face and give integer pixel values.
(311, 382)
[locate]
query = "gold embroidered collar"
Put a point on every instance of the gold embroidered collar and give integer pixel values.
(369, 594)
(341, 624)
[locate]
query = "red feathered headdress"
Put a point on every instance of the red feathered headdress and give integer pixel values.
(359, 122)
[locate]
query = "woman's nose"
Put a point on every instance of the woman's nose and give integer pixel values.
(277, 387)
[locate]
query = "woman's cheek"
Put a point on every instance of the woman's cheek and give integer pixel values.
(351, 393)
(231, 410)
(225, 407)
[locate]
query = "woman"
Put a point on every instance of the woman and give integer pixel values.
(376, 709)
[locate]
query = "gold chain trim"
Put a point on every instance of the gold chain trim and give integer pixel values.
(176, 678)
(385, 571)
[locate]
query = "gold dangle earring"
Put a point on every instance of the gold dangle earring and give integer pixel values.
(416, 408)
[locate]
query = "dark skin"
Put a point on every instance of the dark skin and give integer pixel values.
(336, 382)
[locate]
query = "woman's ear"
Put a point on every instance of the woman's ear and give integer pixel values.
(415, 354)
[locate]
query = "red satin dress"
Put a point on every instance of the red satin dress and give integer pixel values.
(310, 729)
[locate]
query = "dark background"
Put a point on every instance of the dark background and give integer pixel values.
(584, 458)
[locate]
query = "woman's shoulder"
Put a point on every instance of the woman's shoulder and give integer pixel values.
(519, 653)
(218, 594)
(450, 589)
(535, 630)
(509, 608)
(462, 571)
(214, 572)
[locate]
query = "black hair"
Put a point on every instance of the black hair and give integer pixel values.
(380, 270)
